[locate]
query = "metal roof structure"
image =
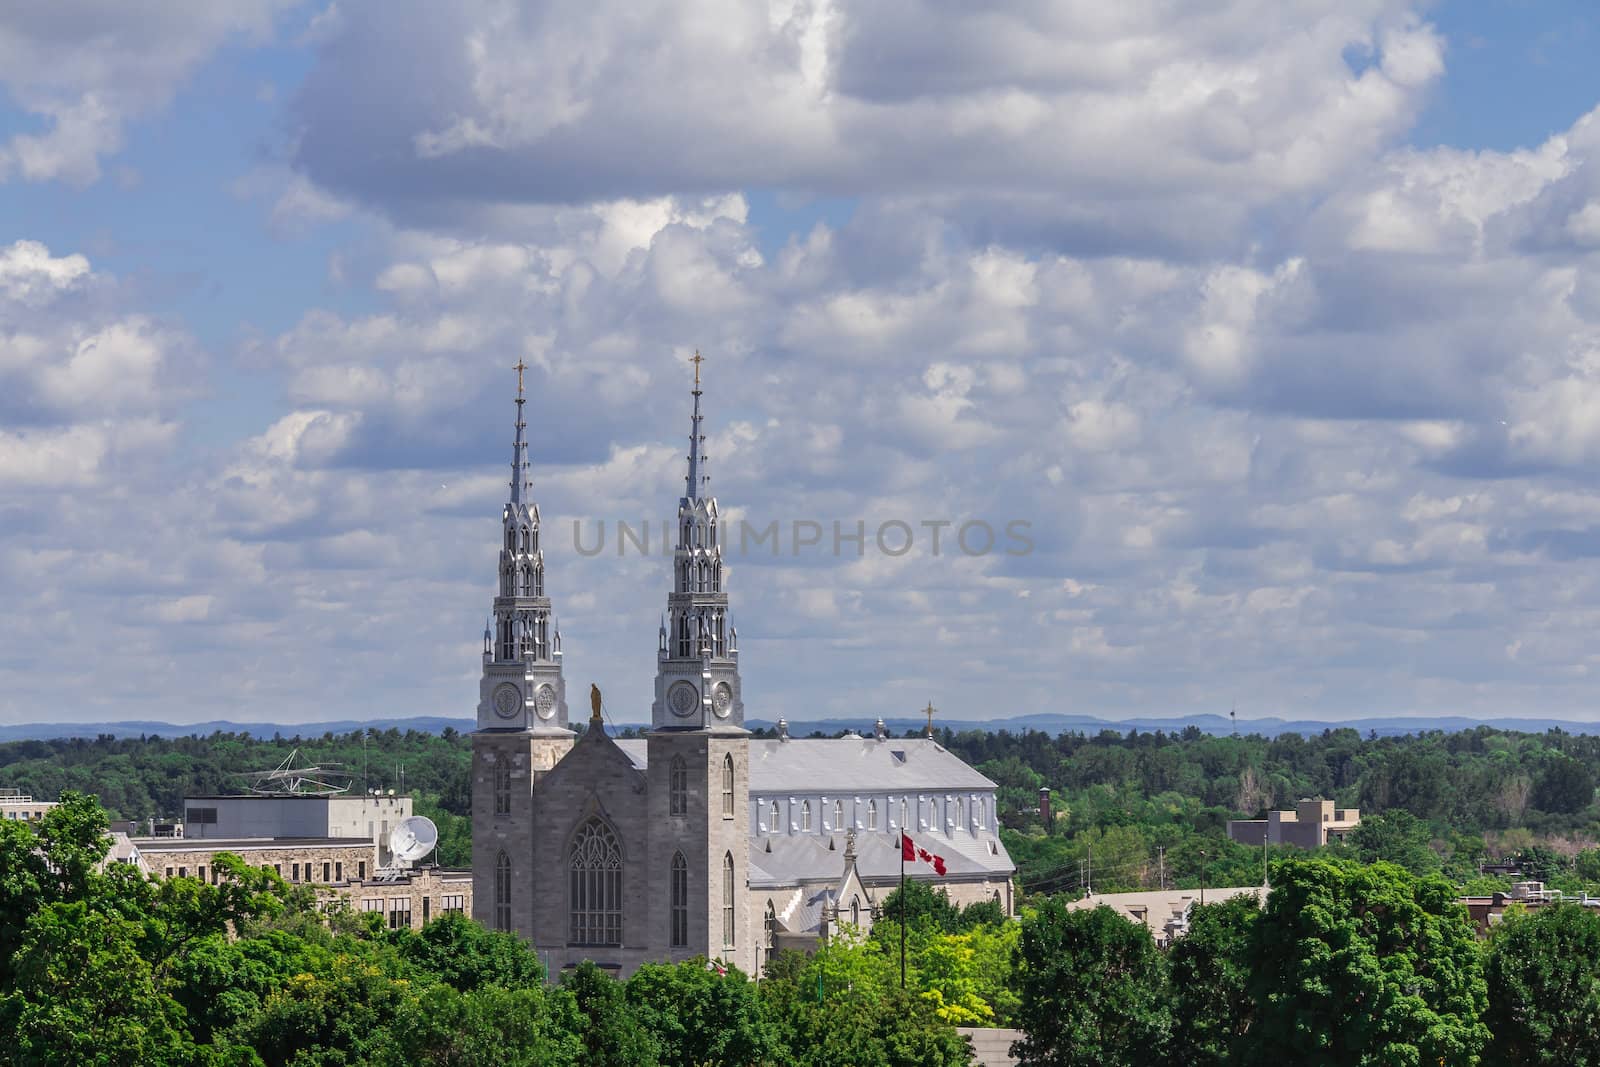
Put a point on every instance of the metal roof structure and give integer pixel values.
(847, 765)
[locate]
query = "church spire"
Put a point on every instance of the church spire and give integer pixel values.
(695, 481)
(697, 676)
(519, 450)
(522, 687)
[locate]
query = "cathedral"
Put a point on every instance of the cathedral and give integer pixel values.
(699, 839)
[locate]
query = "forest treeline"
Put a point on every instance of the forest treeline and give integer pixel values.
(1131, 810)
(1135, 810)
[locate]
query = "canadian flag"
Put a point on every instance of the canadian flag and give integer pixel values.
(910, 851)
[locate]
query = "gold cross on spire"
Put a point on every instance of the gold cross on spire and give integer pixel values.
(519, 368)
(928, 711)
(697, 359)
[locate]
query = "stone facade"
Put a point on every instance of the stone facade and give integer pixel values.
(342, 872)
(624, 852)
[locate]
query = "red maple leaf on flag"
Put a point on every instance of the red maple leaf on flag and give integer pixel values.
(910, 851)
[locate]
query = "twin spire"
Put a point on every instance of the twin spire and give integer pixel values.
(694, 483)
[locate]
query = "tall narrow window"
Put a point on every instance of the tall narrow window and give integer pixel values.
(596, 886)
(838, 815)
(727, 786)
(805, 815)
(872, 815)
(502, 892)
(776, 816)
(678, 787)
(502, 785)
(727, 899)
(680, 901)
(769, 929)
(903, 813)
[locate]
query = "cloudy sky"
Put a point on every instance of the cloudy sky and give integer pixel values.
(1277, 321)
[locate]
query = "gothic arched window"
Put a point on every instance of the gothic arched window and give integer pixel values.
(805, 815)
(595, 899)
(502, 892)
(727, 786)
(680, 901)
(769, 929)
(727, 899)
(678, 787)
(838, 814)
(502, 785)
(872, 815)
(855, 912)
(776, 816)
(903, 813)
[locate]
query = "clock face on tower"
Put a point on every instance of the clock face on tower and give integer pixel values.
(545, 701)
(682, 698)
(507, 700)
(722, 700)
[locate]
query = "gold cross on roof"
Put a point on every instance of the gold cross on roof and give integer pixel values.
(519, 368)
(928, 711)
(697, 359)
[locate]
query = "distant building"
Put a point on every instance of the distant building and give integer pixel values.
(15, 805)
(1489, 911)
(1164, 912)
(368, 817)
(338, 868)
(1312, 824)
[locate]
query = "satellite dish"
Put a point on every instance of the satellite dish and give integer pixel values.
(413, 838)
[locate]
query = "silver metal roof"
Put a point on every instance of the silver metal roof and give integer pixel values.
(848, 765)
(806, 857)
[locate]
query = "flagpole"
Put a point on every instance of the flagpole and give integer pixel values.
(902, 908)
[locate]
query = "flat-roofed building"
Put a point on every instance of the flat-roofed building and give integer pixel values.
(1312, 824)
(340, 869)
(17, 805)
(366, 816)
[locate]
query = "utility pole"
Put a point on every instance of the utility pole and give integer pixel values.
(1089, 883)
(1161, 860)
(1202, 876)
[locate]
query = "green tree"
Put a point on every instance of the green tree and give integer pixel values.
(1092, 990)
(491, 1027)
(1209, 982)
(604, 1027)
(1564, 786)
(845, 1006)
(1543, 975)
(700, 1017)
(468, 956)
(1356, 965)
(1395, 837)
(83, 995)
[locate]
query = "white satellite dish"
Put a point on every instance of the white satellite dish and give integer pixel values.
(412, 838)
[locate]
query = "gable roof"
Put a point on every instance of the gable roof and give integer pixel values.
(847, 765)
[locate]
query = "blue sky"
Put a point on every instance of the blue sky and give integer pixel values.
(1277, 323)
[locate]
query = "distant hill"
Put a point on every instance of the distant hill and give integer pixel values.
(1050, 723)
(35, 731)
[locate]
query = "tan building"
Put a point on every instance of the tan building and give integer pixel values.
(1164, 912)
(1312, 824)
(340, 869)
(16, 805)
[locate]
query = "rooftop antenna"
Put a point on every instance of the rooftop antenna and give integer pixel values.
(288, 780)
